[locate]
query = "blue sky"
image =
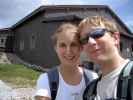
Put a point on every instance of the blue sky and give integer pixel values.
(11, 11)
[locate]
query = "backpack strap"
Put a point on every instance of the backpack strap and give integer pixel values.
(123, 81)
(53, 77)
(86, 77)
(90, 91)
(131, 85)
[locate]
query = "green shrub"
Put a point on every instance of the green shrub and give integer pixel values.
(18, 75)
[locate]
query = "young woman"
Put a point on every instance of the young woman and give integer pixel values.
(71, 78)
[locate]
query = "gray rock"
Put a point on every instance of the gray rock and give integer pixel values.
(8, 93)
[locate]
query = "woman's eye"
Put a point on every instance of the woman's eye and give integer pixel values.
(74, 44)
(62, 45)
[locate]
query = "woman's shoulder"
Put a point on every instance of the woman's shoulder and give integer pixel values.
(43, 77)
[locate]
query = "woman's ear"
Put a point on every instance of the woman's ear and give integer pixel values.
(81, 47)
(55, 48)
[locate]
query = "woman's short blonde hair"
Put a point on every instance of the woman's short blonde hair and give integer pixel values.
(63, 28)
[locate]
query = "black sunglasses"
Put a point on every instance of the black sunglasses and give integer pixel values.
(95, 34)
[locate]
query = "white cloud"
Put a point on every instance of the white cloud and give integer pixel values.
(129, 22)
(12, 11)
(128, 19)
(1, 26)
(113, 3)
(61, 2)
(94, 2)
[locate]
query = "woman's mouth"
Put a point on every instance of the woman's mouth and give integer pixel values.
(69, 57)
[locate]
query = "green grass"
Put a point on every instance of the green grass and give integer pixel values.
(18, 75)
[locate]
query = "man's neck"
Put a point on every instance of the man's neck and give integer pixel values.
(111, 65)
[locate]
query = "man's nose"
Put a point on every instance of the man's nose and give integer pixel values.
(91, 41)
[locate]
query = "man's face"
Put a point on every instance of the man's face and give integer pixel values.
(98, 43)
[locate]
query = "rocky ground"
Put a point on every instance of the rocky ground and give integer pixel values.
(9, 93)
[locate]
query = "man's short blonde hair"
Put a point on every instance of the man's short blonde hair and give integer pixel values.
(98, 21)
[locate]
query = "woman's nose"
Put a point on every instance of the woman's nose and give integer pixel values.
(68, 49)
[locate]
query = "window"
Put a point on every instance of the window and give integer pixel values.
(132, 48)
(128, 50)
(121, 46)
(3, 41)
(21, 45)
(32, 42)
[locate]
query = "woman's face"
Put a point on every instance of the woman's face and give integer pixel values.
(68, 48)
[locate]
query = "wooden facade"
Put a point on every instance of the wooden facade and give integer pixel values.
(32, 34)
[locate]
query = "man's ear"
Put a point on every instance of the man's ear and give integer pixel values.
(116, 36)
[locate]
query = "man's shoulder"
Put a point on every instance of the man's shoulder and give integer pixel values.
(91, 74)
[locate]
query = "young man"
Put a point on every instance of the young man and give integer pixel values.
(100, 39)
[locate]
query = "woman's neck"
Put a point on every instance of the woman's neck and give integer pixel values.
(68, 69)
(70, 75)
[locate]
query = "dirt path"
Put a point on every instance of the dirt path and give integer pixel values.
(9, 93)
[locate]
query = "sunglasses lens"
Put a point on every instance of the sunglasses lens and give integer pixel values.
(97, 33)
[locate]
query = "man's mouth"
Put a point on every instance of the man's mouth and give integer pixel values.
(95, 51)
